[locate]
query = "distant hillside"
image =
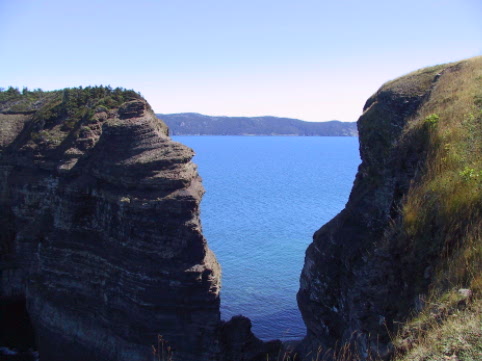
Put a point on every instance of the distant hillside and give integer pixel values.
(198, 124)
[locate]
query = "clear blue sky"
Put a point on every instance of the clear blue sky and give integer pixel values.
(312, 60)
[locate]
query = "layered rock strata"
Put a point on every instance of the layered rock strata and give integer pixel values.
(100, 234)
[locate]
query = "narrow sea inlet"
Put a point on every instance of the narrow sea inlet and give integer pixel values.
(265, 197)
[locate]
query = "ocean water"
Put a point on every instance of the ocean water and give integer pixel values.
(265, 197)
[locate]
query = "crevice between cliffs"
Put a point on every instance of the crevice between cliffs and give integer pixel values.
(101, 244)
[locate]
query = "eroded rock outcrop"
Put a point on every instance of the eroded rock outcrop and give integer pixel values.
(100, 229)
(367, 269)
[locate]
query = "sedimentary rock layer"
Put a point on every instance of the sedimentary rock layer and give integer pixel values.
(101, 233)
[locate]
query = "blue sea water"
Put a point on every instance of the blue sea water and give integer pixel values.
(265, 197)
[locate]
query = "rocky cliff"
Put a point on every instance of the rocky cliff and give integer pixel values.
(100, 230)
(102, 255)
(411, 228)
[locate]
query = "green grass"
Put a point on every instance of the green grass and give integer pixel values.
(448, 197)
(444, 333)
(438, 231)
(441, 222)
(62, 113)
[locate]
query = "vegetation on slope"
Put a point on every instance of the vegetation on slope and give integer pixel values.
(423, 136)
(439, 234)
(67, 101)
(198, 124)
(54, 115)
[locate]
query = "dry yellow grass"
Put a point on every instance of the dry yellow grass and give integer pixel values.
(454, 335)
(442, 218)
(449, 194)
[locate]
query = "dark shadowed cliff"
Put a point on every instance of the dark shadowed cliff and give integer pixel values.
(101, 250)
(101, 240)
(408, 242)
(198, 124)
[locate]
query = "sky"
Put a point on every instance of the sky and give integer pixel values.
(305, 59)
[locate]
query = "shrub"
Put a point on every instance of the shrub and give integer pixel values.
(432, 120)
(470, 174)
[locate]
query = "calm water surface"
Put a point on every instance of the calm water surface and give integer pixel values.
(265, 197)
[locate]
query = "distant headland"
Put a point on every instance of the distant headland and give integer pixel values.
(199, 124)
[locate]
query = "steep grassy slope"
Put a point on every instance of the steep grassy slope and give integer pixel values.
(443, 210)
(389, 268)
(441, 224)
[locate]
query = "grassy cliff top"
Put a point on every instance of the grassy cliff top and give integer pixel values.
(68, 100)
(45, 119)
(441, 216)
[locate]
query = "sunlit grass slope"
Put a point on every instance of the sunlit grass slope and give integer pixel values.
(441, 220)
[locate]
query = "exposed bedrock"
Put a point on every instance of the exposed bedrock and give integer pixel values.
(353, 288)
(101, 236)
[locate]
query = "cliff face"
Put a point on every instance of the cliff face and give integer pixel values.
(370, 267)
(100, 229)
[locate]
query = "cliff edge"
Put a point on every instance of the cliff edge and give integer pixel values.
(409, 235)
(101, 237)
